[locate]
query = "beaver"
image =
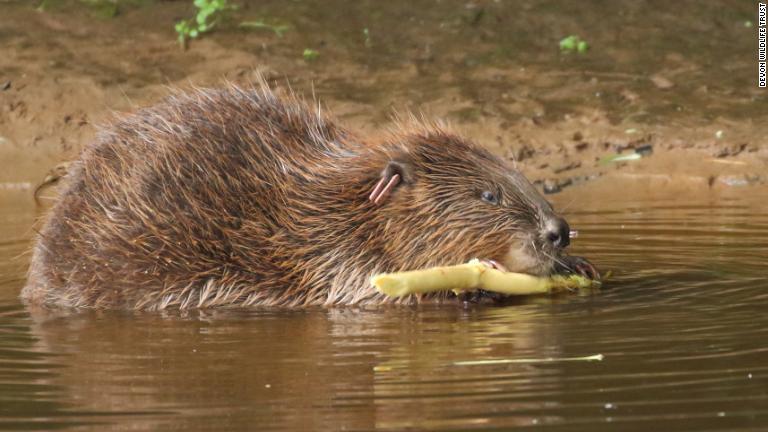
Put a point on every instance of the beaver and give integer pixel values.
(244, 196)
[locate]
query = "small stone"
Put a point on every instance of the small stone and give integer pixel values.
(5, 86)
(730, 150)
(551, 186)
(644, 150)
(662, 82)
(620, 147)
(629, 96)
(733, 180)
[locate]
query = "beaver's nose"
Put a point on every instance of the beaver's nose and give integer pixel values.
(557, 232)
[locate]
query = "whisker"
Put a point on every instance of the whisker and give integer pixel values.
(536, 250)
(557, 260)
(565, 207)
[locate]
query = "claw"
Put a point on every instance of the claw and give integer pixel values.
(579, 265)
(586, 269)
(494, 264)
(479, 296)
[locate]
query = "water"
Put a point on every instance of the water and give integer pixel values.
(681, 325)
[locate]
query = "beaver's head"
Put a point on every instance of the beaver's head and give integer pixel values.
(447, 200)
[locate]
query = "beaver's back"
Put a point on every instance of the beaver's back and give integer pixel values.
(187, 203)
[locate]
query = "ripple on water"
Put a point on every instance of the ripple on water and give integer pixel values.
(681, 326)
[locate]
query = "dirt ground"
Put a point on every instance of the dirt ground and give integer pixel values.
(671, 87)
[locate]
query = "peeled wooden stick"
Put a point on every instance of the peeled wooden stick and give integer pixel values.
(471, 276)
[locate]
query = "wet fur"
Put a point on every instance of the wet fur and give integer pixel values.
(237, 196)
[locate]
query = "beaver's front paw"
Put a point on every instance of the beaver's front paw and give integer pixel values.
(481, 296)
(567, 264)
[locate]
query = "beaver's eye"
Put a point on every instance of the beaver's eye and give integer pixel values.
(489, 197)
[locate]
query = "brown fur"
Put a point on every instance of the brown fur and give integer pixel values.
(240, 197)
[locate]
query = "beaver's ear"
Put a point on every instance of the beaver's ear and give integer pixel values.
(396, 173)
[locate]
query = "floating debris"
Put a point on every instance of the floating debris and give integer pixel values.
(403, 364)
(595, 357)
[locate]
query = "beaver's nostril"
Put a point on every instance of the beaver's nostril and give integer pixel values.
(558, 232)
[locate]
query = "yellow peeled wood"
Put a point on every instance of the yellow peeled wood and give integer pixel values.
(471, 276)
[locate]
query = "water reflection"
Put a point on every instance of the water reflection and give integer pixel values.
(681, 326)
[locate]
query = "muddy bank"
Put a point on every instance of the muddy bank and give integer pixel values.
(670, 87)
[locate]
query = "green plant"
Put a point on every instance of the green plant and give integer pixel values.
(278, 29)
(310, 54)
(208, 14)
(573, 43)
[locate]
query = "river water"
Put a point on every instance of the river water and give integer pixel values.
(681, 327)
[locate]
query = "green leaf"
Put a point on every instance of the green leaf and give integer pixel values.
(310, 54)
(573, 43)
(569, 43)
(202, 16)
